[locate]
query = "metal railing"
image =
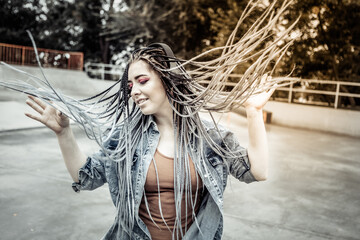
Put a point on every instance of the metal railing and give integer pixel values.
(337, 93)
(99, 70)
(104, 71)
(305, 90)
(23, 55)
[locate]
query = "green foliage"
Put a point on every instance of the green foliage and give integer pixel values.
(187, 26)
(88, 15)
(17, 16)
(147, 21)
(59, 29)
(329, 42)
(224, 19)
(327, 46)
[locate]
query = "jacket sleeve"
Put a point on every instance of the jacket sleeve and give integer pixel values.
(239, 165)
(92, 174)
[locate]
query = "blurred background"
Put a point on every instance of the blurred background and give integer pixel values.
(313, 125)
(326, 39)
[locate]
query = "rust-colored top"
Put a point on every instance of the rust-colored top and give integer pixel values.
(165, 169)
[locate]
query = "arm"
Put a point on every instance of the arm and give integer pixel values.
(258, 146)
(59, 123)
(73, 157)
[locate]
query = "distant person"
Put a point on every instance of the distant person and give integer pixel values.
(166, 168)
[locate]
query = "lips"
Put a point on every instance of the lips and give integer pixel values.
(141, 101)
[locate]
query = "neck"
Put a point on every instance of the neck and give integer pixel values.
(164, 121)
(164, 117)
(165, 125)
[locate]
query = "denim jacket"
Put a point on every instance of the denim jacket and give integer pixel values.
(98, 170)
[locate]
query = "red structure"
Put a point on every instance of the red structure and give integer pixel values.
(23, 55)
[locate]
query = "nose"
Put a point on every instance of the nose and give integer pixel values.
(134, 91)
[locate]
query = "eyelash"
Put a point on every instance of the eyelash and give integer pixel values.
(141, 81)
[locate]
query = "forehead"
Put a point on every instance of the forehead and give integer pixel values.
(139, 68)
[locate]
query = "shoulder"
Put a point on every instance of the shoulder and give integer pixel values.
(221, 136)
(211, 126)
(217, 132)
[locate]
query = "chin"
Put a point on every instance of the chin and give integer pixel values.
(146, 111)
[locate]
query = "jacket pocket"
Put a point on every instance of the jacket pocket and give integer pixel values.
(215, 161)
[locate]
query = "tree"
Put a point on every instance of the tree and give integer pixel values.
(184, 25)
(328, 46)
(58, 29)
(16, 17)
(88, 14)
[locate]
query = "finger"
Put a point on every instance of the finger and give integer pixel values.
(270, 85)
(271, 91)
(35, 117)
(38, 101)
(34, 106)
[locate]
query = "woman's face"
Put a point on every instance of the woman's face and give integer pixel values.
(147, 90)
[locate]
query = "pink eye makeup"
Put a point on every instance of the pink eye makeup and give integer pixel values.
(143, 80)
(140, 80)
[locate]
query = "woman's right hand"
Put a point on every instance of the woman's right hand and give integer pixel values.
(59, 123)
(49, 116)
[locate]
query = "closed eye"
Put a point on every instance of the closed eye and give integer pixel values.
(143, 80)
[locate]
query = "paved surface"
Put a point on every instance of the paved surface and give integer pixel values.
(313, 191)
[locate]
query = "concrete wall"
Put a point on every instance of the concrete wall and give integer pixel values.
(317, 118)
(71, 82)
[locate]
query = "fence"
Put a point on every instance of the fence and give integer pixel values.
(23, 55)
(306, 92)
(291, 90)
(113, 72)
(103, 71)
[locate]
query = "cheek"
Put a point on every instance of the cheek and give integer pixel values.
(156, 90)
(161, 93)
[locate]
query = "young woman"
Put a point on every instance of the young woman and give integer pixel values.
(161, 209)
(166, 168)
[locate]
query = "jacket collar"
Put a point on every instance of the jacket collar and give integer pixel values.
(149, 121)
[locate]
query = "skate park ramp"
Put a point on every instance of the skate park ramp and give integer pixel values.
(312, 191)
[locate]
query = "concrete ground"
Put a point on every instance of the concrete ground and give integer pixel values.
(313, 190)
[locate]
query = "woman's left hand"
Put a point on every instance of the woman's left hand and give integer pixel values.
(258, 101)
